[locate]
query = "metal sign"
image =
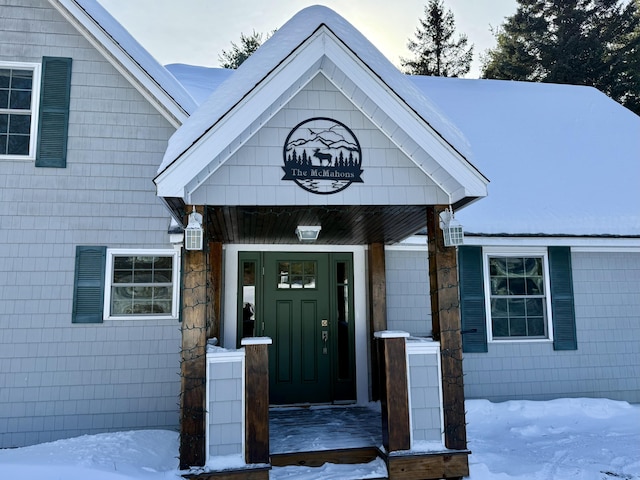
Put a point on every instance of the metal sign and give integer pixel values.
(322, 156)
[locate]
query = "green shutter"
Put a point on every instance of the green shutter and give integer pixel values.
(472, 301)
(88, 285)
(53, 121)
(562, 307)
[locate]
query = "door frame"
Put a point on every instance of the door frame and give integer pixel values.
(362, 334)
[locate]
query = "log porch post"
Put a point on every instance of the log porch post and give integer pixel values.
(445, 311)
(256, 399)
(193, 358)
(377, 310)
(394, 390)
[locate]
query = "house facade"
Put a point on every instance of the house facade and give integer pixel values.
(111, 319)
(60, 375)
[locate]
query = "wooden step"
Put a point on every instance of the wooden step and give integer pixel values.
(319, 458)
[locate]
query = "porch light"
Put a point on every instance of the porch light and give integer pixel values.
(451, 229)
(308, 234)
(193, 234)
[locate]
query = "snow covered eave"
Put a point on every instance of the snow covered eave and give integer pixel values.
(321, 53)
(588, 243)
(144, 73)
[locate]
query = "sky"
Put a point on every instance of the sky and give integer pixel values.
(197, 31)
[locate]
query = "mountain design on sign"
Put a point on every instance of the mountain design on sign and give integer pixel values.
(322, 156)
(329, 137)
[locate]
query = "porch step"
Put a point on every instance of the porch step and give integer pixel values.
(319, 458)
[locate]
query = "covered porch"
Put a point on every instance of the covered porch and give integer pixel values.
(417, 429)
(399, 437)
(318, 130)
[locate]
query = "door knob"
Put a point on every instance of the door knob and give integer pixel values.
(325, 338)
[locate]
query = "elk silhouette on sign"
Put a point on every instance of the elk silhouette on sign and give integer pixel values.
(323, 157)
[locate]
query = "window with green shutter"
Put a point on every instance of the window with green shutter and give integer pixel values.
(562, 305)
(19, 87)
(53, 121)
(472, 299)
(516, 294)
(141, 284)
(88, 285)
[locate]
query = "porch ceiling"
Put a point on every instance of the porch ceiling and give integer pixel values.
(341, 225)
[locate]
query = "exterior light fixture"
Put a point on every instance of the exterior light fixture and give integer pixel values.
(308, 234)
(451, 229)
(193, 234)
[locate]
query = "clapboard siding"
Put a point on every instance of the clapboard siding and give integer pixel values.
(606, 363)
(59, 379)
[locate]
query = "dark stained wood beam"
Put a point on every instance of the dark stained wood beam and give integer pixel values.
(377, 309)
(256, 400)
(193, 356)
(445, 314)
(396, 434)
(428, 466)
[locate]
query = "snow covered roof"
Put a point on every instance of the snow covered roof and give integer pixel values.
(152, 80)
(562, 159)
(275, 50)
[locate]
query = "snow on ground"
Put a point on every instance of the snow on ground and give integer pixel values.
(565, 439)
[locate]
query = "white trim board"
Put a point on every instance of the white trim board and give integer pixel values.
(229, 321)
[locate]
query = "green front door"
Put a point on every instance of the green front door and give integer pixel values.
(304, 302)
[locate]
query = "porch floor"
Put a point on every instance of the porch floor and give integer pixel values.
(320, 428)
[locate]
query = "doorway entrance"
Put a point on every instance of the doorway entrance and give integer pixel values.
(303, 301)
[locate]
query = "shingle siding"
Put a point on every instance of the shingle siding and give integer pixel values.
(58, 379)
(226, 416)
(389, 176)
(606, 364)
(408, 304)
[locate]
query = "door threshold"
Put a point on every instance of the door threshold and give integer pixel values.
(340, 403)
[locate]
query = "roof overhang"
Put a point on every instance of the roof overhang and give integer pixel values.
(320, 53)
(131, 68)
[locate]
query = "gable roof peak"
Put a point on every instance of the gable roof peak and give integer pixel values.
(275, 52)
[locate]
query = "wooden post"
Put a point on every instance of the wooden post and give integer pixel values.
(378, 309)
(256, 399)
(445, 311)
(214, 311)
(394, 390)
(193, 356)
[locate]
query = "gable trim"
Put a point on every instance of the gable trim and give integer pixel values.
(322, 53)
(122, 61)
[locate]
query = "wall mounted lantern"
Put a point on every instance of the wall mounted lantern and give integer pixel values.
(451, 229)
(193, 234)
(308, 234)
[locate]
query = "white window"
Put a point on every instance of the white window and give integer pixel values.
(517, 294)
(141, 284)
(19, 99)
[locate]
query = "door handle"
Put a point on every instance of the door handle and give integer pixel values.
(325, 339)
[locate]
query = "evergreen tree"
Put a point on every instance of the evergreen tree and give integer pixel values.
(239, 53)
(436, 51)
(582, 42)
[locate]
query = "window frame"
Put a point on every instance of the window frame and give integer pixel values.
(36, 68)
(539, 252)
(127, 252)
